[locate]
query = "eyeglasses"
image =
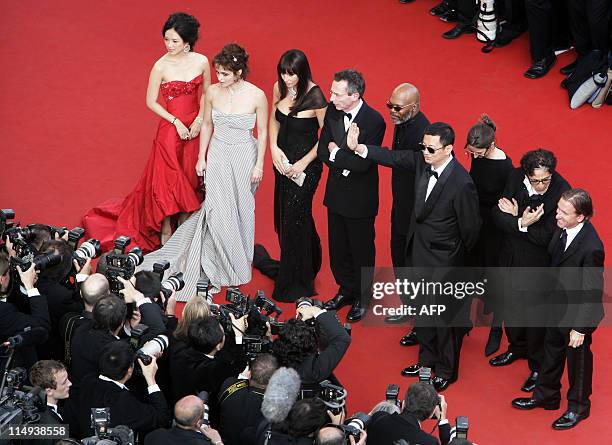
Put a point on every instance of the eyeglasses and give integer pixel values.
(475, 152)
(540, 181)
(430, 150)
(397, 108)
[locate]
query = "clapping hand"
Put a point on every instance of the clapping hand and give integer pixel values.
(352, 138)
(507, 206)
(531, 216)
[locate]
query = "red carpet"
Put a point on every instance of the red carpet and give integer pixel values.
(75, 132)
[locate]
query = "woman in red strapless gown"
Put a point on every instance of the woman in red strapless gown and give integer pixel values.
(169, 184)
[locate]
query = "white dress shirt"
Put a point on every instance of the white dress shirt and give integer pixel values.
(433, 180)
(347, 123)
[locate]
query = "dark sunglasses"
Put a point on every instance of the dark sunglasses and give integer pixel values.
(396, 108)
(430, 150)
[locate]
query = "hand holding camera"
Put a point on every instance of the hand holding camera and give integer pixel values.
(239, 324)
(440, 411)
(307, 312)
(149, 371)
(129, 292)
(28, 277)
(86, 269)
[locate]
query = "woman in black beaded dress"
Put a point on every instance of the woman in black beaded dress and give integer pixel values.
(298, 108)
(489, 171)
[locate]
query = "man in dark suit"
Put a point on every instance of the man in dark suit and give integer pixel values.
(109, 390)
(444, 225)
(404, 109)
(526, 216)
(351, 193)
(421, 403)
(189, 428)
(578, 258)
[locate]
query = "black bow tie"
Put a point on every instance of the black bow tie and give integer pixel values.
(431, 172)
(349, 115)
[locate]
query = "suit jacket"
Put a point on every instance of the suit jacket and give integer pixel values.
(445, 226)
(318, 367)
(125, 408)
(86, 346)
(240, 414)
(580, 280)
(406, 136)
(386, 429)
(528, 249)
(355, 195)
(176, 436)
(48, 417)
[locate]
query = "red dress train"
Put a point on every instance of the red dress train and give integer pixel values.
(168, 185)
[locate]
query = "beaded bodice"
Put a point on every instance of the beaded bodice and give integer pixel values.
(176, 88)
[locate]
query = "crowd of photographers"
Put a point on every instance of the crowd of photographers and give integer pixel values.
(103, 353)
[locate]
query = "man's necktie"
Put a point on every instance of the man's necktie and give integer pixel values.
(431, 172)
(560, 249)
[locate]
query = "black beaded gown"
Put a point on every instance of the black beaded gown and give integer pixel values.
(299, 241)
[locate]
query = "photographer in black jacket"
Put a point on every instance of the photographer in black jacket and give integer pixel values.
(422, 402)
(240, 399)
(313, 353)
(13, 322)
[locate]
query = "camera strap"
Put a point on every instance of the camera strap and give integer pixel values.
(232, 389)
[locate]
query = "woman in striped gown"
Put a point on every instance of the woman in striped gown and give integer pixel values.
(217, 241)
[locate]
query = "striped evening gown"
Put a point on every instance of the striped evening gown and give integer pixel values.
(217, 240)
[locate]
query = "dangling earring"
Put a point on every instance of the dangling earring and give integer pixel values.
(187, 48)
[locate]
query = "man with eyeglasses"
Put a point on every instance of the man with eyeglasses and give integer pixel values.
(526, 216)
(444, 225)
(410, 122)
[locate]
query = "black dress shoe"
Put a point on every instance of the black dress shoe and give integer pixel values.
(412, 370)
(356, 313)
(396, 319)
(504, 359)
(440, 9)
(440, 384)
(410, 339)
(569, 68)
(458, 31)
(527, 403)
(541, 67)
(338, 302)
(568, 420)
(449, 16)
(530, 383)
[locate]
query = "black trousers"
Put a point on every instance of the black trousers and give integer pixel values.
(466, 11)
(579, 371)
(548, 25)
(351, 247)
(398, 249)
(527, 342)
(590, 24)
(439, 349)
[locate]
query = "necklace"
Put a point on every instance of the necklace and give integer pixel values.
(292, 92)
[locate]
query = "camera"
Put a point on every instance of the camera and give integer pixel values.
(333, 396)
(41, 262)
(19, 405)
(146, 350)
(74, 236)
(204, 396)
(100, 420)
(392, 395)
(121, 264)
(355, 425)
(5, 216)
(255, 345)
(462, 427)
(203, 288)
(425, 374)
(89, 249)
(174, 283)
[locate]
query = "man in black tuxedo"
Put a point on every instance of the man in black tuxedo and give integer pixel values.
(189, 427)
(109, 389)
(404, 109)
(578, 258)
(444, 225)
(52, 377)
(526, 216)
(351, 194)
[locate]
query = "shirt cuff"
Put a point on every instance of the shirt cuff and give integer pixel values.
(153, 388)
(238, 339)
(364, 154)
(522, 229)
(33, 293)
(579, 333)
(324, 310)
(80, 277)
(142, 301)
(443, 422)
(332, 154)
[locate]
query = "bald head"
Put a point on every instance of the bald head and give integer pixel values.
(188, 411)
(94, 288)
(330, 436)
(404, 103)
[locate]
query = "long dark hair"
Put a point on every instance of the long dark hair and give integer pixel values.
(294, 61)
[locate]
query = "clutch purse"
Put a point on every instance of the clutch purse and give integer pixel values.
(299, 180)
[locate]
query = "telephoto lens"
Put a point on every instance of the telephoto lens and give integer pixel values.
(174, 283)
(89, 249)
(135, 256)
(155, 346)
